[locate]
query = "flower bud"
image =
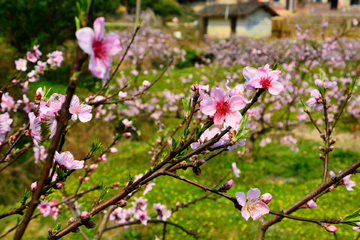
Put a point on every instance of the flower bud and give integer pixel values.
(331, 148)
(322, 135)
(33, 186)
(330, 228)
(177, 204)
(321, 148)
(239, 153)
(193, 158)
(84, 215)
(93, 166)
(80, 178)
(197, 171)
(194, 88)
(331, 188)
(122, 94)
(127, 134)
(12, 139)
(86, 179)
(200, 162)
(321, 156)
(90, 224)
(227, 186)
(158, 140)
(113, 150)
(122, 203)
(86, 166)
(150, 152)
(266, 198)
(333, 141)
(311, 204)
(59, 185)
(71, 220)
(146, 84)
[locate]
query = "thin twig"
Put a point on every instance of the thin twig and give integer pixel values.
(151, 221)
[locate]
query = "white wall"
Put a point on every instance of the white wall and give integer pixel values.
(257, 24)
(219, 27)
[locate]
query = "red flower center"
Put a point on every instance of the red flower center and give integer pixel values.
(222, 108)
(265, 83)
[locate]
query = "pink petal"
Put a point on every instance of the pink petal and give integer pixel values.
(59, 159)
(99, 28)
(233, 118)
(208, 106)
(245, 213)
(255, 82)
(195, 145)
(274, 75)
(332, 174)
(241, 198)
(85, 37)
(249, 73)
(253, 194)
(260, 209)
(275, 88)
(85, 117)
(311, 101)
(349, 185)
(97, 67)
(236, 103)
(112, 43)
(315, 94)
(218, 94)
(219, 119)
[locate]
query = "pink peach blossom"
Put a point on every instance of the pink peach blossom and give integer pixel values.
(235, 170)
(21, 64)
(80, 110)
(99, 46)
(223, 108)
(67, 159)
(315, 100)
(252, 206)
(264, 78)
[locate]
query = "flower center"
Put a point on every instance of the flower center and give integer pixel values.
(222, 108)
(101, 50)
(265, 83)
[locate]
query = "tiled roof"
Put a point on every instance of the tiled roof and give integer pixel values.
(234, 10)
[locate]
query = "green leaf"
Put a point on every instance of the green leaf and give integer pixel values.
(94, 147)
(275, 66)
(174, 143)
(186, 132)
(57, 226)
(50, 191)
(302, 103)
(26, 195)
(60, 173)
(140, 21)
(354, 214)
(103, 191)
(186, 105)
(77, 23)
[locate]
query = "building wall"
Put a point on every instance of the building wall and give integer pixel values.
(257, 24)
(218, 27)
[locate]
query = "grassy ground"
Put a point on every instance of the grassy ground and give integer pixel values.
(286, 174)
